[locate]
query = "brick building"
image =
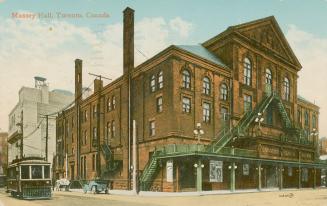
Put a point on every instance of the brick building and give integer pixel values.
(241, 86)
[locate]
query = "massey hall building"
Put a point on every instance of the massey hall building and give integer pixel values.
(221, 115)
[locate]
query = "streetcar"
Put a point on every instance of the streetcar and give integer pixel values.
(29, 178)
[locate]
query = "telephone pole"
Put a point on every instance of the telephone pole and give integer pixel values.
(46, 137)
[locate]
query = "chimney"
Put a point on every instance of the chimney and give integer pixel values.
(98, 84)
(78, 79)
(128, 54)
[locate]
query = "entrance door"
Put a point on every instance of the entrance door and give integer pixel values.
(272, 180)
(187, 176)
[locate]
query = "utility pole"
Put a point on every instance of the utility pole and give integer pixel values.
(46, 137)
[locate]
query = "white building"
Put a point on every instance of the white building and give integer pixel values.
(32, 105)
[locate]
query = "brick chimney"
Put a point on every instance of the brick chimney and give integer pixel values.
(98, 84)
(78, 79)
(128, 54)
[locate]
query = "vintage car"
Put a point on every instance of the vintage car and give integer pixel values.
(96, 186)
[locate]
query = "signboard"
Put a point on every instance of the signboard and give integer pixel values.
(170, 171)
(216, 171)
(246, 169)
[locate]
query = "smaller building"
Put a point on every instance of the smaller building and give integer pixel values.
(3, 153)
(27, 120)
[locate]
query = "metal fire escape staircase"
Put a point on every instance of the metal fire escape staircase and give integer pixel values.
(112, 165)
(149, 171)
(226, 136)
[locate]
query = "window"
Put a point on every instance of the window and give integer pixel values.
(36, 172)
(160, 80)
(206, 86)
(159, 104)
(223, 92)
(108, 130)
(286, 89)
(314, 122)
(108, 104)
(186, 79)
(95, 136)
(186, 102)
(94, 111)
(269, 118)
(85, 115)
(153, 83)
(113, 102)
(113, 129)
(46, 171)
(306, 118)
(206, 112)
(268, 80)
(152, 128)
(299, 116)
(247, 72)
(25, 170)
(224, 113)
(247, 103)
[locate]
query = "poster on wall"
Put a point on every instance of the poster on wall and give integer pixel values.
(246, 169)
(216, 171)
(170, 170)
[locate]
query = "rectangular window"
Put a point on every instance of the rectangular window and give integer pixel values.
(206, 112)
(224, 114)
(85, 115)
(25, 172)
(153, 83)
(113, 129)
(85, 137)
(186, 104)
(247, 103)
(299, 117)
(36, 172)
(113, 102)
(160, 80)
(159, 104)
(108, 105)
(108, 130)
(152, 128)
(94, 111)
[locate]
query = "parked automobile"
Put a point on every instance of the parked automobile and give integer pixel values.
(96, 186)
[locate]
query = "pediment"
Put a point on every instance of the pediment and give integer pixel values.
(267, 33)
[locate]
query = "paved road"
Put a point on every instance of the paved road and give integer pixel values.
(307, 197)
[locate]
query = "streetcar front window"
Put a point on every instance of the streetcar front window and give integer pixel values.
(36, 172)
(25, 172)
(46, 172)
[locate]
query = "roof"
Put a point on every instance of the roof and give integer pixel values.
(299, 97)
(202, 52)
(65, 92)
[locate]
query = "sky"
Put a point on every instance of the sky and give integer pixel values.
(47, 46)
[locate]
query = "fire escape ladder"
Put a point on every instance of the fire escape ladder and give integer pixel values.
(286, 120)
(109, 157)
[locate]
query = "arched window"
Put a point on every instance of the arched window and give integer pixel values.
(223, 92)
(160, 80)
(286, 89)
(186, 79)
(268, 80)
(153, 83)
(247, 71)
(206, 86)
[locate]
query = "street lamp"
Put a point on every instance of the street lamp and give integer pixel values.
(314, 134)
(198, 132)
(259, 119)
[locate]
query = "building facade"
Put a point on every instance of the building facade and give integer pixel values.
(241, 86)
(3, 153)
(28, 119)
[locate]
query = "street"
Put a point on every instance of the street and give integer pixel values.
(307, 197)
